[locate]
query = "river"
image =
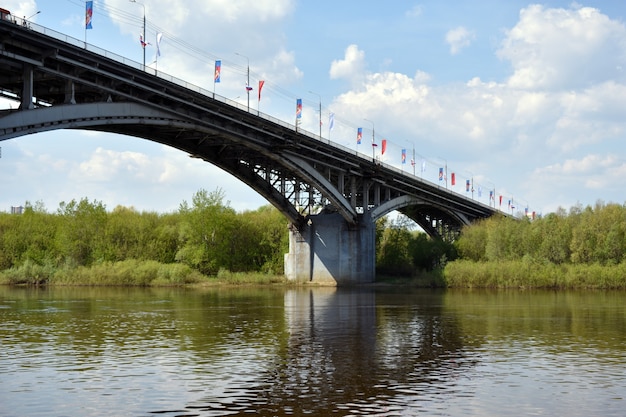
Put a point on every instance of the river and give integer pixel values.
(311, 351)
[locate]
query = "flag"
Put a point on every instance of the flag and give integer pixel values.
(384, 147)
(480, 191)
(143, 42)
(299, 108)
(423, 166)
(261, 83)
(440, 174)
(500, 201)
(331, 121)
(467, 185)
(403, 156)
(453, 178)
(159, 36)
(88, 14)
(248, 88)
(218, 71)
(412, 162)
(491, 196)
(359, 135)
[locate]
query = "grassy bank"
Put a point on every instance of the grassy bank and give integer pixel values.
(524, 274)
(126, 273)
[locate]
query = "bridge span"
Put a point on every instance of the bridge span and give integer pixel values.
(331, 195)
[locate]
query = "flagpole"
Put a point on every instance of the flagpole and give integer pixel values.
(373, 141)
(320, 109)
(248, 82)
(144, 31)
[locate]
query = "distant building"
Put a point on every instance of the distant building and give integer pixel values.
(17, 210)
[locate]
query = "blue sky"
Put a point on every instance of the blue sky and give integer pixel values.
(527, 98)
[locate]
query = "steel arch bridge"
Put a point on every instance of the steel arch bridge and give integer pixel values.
(330, 195)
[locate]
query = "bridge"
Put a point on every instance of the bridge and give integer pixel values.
(331, 195)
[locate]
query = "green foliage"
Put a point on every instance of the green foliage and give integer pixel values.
(524, 274)
(238, 278)
(132, 248)
(583, 248)
(402, 252)
(130, 272)
(80, 237)
(28, 273)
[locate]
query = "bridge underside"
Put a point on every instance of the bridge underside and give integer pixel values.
(331, 196)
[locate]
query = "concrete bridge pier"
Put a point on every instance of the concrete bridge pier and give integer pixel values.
(328, 250)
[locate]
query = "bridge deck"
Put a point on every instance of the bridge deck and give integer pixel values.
(296, 171)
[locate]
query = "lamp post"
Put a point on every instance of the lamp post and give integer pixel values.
(248, 77)
(143, 44)
(320, 109)
(33, 15)
(373, 140)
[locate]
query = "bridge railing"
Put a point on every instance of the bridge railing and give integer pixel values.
(133, 64)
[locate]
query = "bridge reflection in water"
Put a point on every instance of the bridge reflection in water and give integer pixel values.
(331, 195)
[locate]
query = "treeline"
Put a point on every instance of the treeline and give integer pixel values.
(582, 247)
(83, 243)
(204, 237)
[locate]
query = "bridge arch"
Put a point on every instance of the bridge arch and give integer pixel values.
(436, 221)
(330, 194)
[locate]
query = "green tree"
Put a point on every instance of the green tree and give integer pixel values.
(81, 236)
(393, 256)
(206, 231)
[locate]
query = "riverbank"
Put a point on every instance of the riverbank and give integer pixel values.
(528, 274)
(456, 274)
(128, 273)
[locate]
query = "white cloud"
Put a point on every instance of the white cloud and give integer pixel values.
(544, 113)
(459, 38)
(240, 33)
(351, 66)
(21, 8)
(564, 48)
(106, 165)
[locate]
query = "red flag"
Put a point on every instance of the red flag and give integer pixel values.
(261, 82)
(384, 148)
(452, 179)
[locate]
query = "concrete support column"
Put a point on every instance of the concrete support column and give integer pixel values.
(69, 92)
(27, 89)
(327, 250)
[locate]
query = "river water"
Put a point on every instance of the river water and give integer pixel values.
(311, 351)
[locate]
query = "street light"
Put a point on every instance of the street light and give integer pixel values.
(33, 15)
(248, 73)
(320, 111)
(143, 43)
(373, 140)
